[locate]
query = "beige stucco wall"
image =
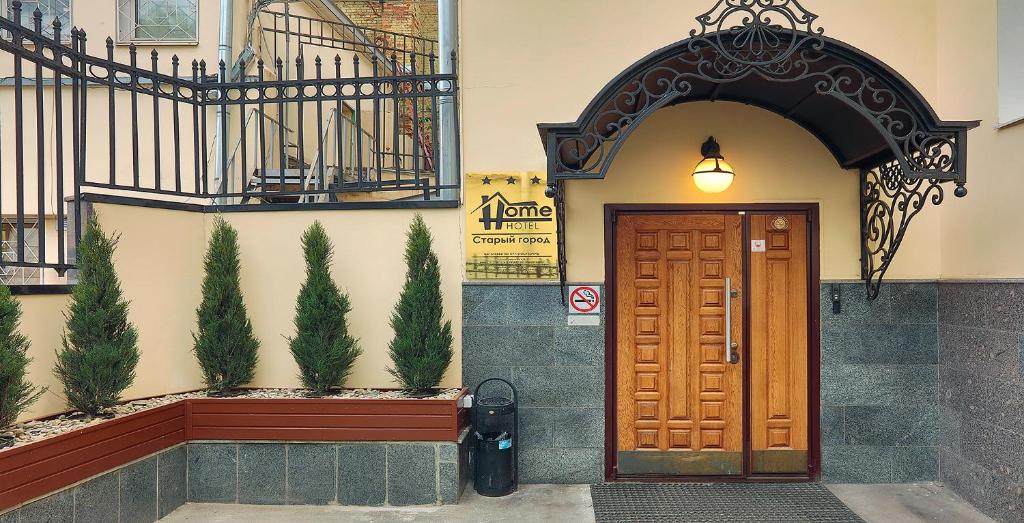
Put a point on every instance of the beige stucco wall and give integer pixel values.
(368, 264)
(155, 269)
(981, 235)
(42, 322)
(563, 53)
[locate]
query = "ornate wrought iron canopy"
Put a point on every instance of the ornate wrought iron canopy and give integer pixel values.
(771, 54)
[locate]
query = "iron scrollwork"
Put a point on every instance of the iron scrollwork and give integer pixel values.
(778, 41)
(889, 201)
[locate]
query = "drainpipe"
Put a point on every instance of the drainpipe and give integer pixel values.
(223, 55)
(448, 41)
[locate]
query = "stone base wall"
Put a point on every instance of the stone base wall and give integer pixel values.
(361, 474)
(981, 394)
(261, 473)
(879, 384)
(140, 492)
(879, 390)
(519, 333)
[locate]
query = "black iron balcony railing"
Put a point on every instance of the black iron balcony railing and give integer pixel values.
(71, 121)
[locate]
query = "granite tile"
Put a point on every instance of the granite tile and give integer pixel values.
(1002, 303)
(1007, 498)
(914, 302)
(212, 472)
(986, 352)
(473, 375)
(362, 474)
(10, 516)
(138, 492)
(856, 464)
(528, 304)
(578, 428)
(881, 344)
(896, 425)
(448, 482)
(874, 384)
(559, 386)
(519, 345)
(832, 426)
(949, 430)
(96, 500)
(312, 473)
(261, 473)
(536, 427)
(448, 452)
(562, 466)
(995, 401)
(172, 470)
(412, 474)
(914, 464)
(55, 508)
(994, 448)
(855, 307)
(500, 345)
(969, 480)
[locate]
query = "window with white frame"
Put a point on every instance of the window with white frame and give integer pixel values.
(1010, 41)
(51, 10)
(158, 20)
(9, 240)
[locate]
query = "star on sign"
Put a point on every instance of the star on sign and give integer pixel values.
(486, 180)
(535, 180)
(511, 180)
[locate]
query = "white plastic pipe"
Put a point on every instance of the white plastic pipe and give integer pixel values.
(448, 41)
(223, 55)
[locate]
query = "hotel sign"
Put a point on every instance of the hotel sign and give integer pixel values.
(510, 227)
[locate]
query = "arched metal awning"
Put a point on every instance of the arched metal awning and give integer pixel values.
(770, 54)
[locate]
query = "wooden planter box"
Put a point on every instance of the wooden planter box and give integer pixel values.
(48, 465)
(326, 419)
(39, 468)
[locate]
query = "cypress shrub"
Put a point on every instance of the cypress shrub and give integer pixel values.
(322, 346)
(100, 346)
(421, 349)
(225, 345)
(16, 393)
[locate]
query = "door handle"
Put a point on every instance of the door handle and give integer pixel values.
(731, 354)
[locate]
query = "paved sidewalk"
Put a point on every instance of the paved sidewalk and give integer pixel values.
(917, 503)
(912, 503)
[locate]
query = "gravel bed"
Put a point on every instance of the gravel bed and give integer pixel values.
(35, 430)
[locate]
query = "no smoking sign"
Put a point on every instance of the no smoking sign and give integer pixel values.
(584, 299)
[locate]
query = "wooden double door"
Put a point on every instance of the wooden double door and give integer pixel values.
(711, 344)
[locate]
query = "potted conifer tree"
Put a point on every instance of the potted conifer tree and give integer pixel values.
(225, 345)
(322, 346)
(16, 393)
(100, 348)
(421, 349)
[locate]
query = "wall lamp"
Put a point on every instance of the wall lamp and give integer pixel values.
(712, 174)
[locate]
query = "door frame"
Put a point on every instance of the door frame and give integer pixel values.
(611, 213)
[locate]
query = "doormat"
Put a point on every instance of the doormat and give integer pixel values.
(719, 502)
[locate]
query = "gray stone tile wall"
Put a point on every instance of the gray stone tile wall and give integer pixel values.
(879, 393)
(519, 333)
(879, 384)
(981, 394)
(364, 474)
(142, 491)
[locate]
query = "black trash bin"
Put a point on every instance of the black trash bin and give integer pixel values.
(496, 433)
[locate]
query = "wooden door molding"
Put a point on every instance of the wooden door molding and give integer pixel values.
(810, 212)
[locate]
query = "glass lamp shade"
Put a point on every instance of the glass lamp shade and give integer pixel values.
(713, 175)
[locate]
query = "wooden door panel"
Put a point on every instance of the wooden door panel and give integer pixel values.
(778, 344)
(676, 392)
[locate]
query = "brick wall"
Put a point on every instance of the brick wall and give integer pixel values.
(412, 17)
